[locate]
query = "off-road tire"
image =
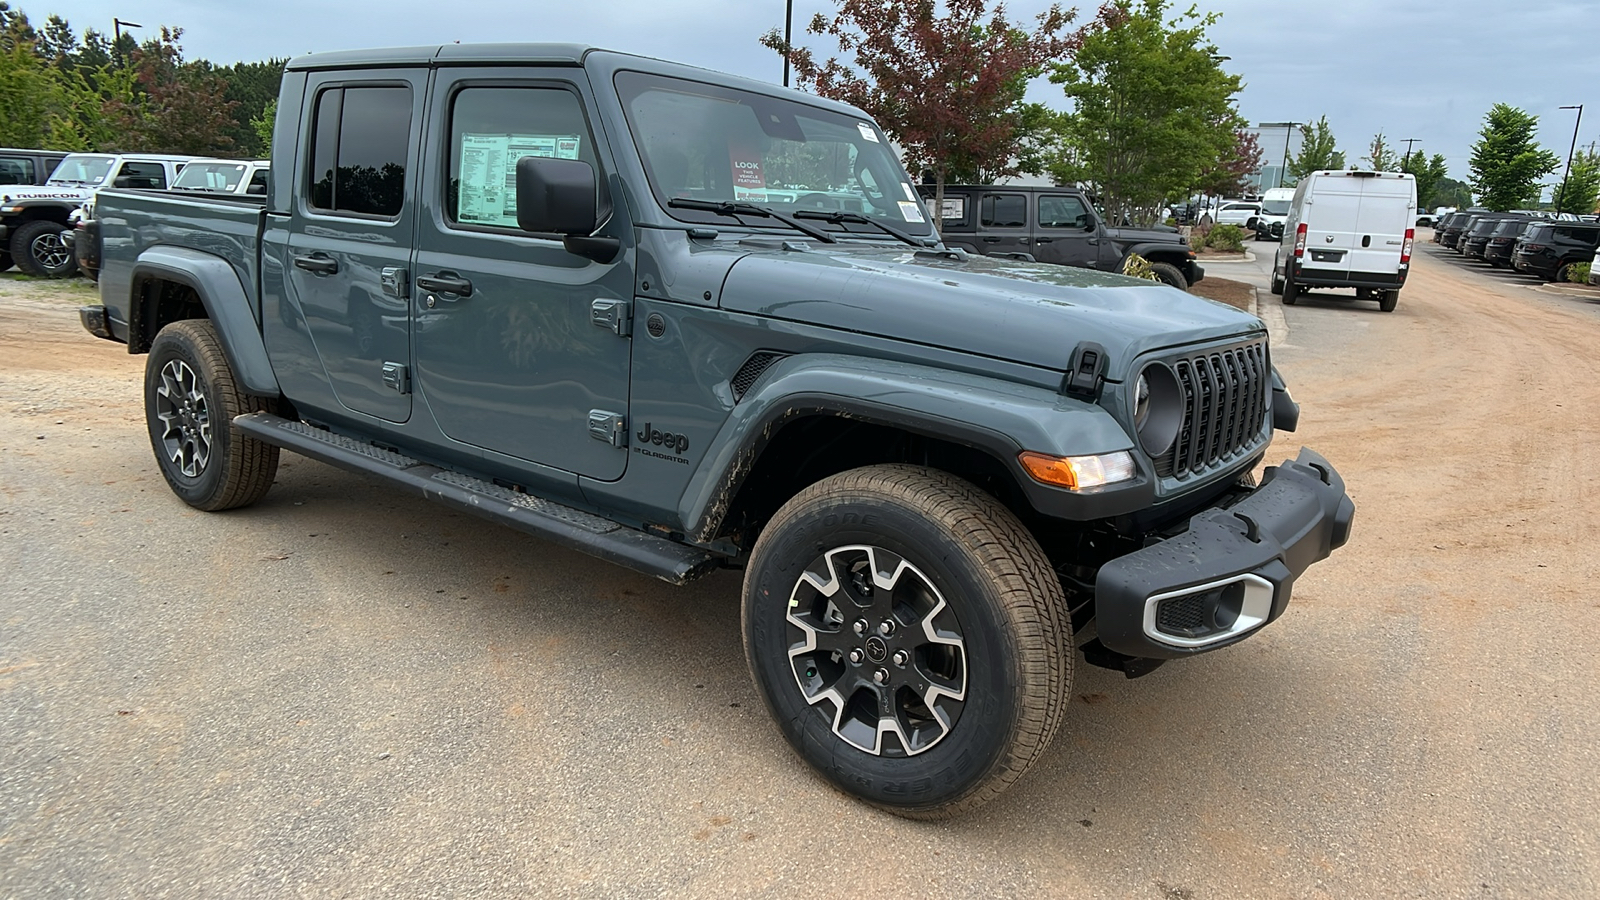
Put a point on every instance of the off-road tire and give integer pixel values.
(1007, 607)
(22, 241)
(1168, 273)
(1387, 300)
(238, 469)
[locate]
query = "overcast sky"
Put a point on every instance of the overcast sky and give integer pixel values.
(1427, 69)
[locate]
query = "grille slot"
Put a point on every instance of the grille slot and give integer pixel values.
(1224, 406)
(751, 370)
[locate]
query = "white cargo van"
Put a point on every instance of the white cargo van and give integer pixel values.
(1349, 229)
(1274, 212)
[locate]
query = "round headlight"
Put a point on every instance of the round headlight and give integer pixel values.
(1157, 408)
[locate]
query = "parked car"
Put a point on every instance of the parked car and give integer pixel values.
(27, 166)
(1274, 211)
(1548, 249)
(33, 218)
(1594, 269)
(1503, 241)
(224, 176)
(1450, 235)
(1475, 240)
(933, 468)
(1348, 229)
(1242, 213)
(1425, 220)
(1057, 225)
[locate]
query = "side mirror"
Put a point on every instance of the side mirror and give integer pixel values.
(557, 196)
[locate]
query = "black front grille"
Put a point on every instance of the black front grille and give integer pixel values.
(751, 370)
(1225, 396)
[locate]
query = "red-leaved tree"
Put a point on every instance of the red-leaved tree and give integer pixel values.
(1230, 175)
(947, 88)
(178, 107)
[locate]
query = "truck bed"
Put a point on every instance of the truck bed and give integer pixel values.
(132, 222)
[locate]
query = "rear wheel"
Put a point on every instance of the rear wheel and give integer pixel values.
(1169, 274)
(1562, 272)
(909, 637)
(1387, 300)
(190, 400)
(1291, 291)
(39, 251)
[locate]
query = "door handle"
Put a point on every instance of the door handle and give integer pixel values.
(1022, 240)
(1044, 240)
(991, 240)
(317, 263)
(445, 283)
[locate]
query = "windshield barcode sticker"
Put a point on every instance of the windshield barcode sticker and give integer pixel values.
(911, 212)
(867, 132)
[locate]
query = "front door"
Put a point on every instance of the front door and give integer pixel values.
(1066, 234)
(355, 227)
(508, 352)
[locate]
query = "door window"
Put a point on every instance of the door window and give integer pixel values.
(1004, 211)
(16, 171)
(491, 128)
(358, 150)
(143, 175)
(1062, 211)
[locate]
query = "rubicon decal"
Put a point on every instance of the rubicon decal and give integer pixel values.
(675, 442)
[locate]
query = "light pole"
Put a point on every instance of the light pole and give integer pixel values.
(116, 27)
(1407, 160)
(1562, 196)
(788, 32)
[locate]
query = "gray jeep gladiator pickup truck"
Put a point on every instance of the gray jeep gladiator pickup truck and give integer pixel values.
(593, 297)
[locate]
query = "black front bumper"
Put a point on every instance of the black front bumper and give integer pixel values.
(1230, 572)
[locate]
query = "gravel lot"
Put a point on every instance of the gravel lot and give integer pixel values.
(339, 692)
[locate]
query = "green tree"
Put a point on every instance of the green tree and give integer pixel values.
(1151, 115)
(1318, 151)
(947, 88)
(1578, 192)
(1507, 161)
(1430, 173)
(262, 125)
(253, 86)
(179, 107)
(1380, 156)
(1450, 192)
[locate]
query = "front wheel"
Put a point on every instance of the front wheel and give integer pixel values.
(1168, 273)
(190, 400)
(39, 251)
(909, 637)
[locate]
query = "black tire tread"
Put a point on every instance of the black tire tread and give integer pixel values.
(1170, 275)
(22, 257)
(251, 464)
(1029, 590)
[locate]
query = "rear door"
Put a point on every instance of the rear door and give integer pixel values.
(1332, 209)
(1003, 223)
(1388, 209)
(350, 242)
(510, 353)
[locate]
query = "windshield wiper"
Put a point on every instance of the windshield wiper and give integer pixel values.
(741, 208)
(839, 217)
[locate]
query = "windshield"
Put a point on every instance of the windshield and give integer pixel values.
(82, 169)
(210, 176)
(711, 143)
(1275, 208)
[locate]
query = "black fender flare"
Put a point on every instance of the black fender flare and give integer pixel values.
(226, 303)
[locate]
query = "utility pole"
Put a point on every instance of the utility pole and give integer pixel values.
(116, 45)
(1407, 161)
(788, 32)
(1562, 196)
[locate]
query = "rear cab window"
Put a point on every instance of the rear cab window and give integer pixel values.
(358, 150)
(16, 170)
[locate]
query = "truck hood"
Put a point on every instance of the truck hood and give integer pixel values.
(1132, 235)
(19, 193)
(1029, 313)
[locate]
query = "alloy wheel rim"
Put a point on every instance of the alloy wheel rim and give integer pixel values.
(877, 651)
(49, 251)
(185, 418)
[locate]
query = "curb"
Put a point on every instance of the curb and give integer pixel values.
(1272, 316)
(1568, 290)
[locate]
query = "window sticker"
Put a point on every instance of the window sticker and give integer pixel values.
(911, 212)
(748, 182)
(954, 208)
(867, 132)
(910, 194)
(489, 172)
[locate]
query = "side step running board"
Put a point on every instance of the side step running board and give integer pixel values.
(600, 537)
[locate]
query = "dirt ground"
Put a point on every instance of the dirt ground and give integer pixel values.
(1234, 293)
(344, 693)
